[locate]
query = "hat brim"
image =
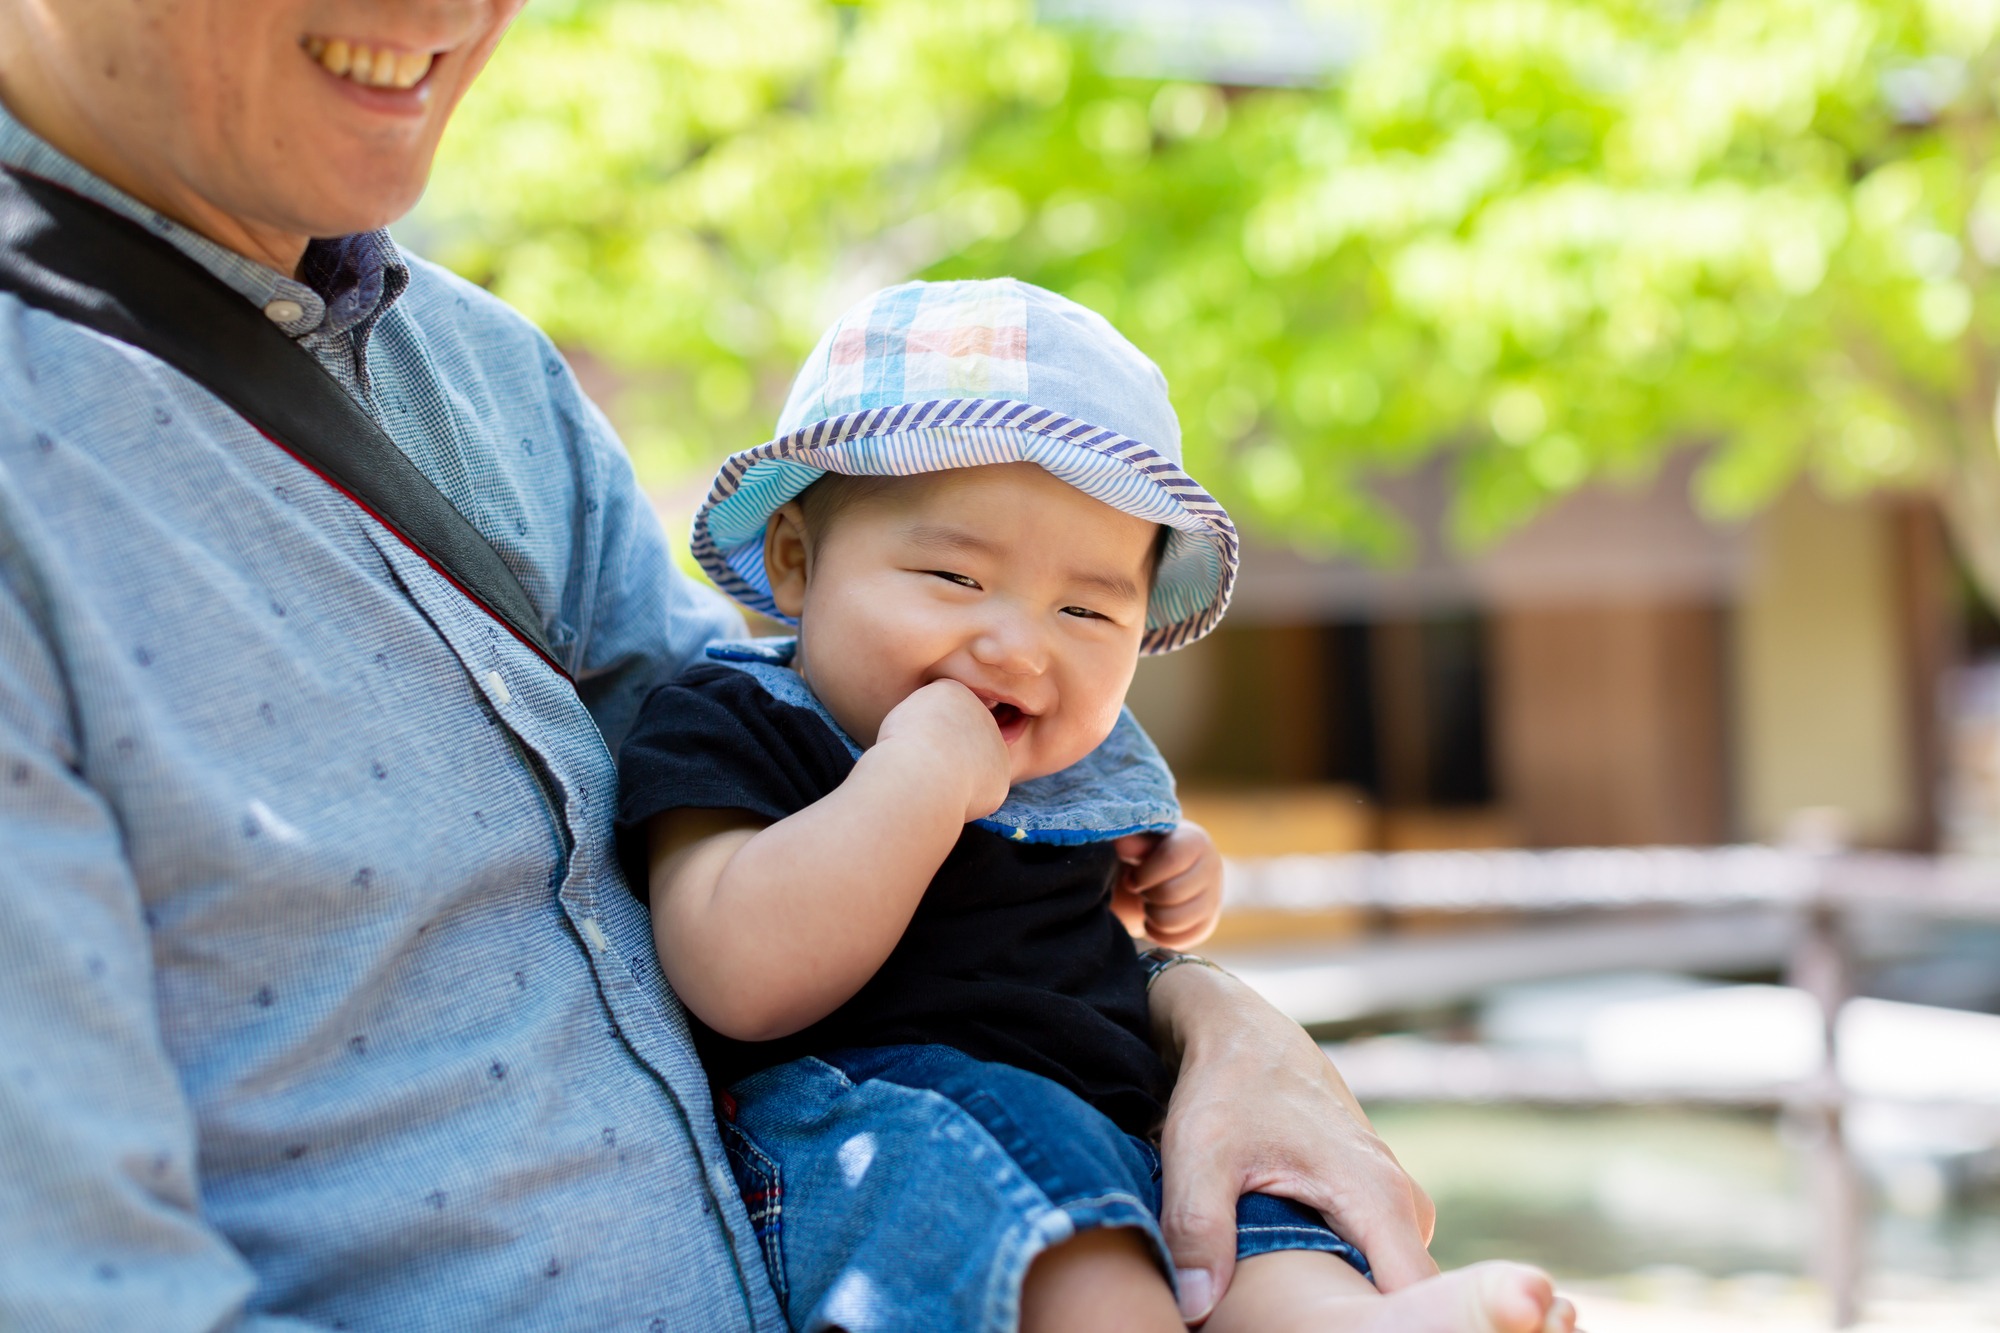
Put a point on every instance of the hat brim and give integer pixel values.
(1197, 570)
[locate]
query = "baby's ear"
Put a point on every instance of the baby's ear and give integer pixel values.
(786, 558)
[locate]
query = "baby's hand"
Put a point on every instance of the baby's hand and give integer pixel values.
(945, 721)
(1171, 888)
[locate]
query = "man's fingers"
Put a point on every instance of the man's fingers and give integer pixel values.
(1427, 1212)
(1198, 1215)
(1379, 1208)
(1394, 1255)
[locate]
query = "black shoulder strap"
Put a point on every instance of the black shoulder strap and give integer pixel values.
(74, 258)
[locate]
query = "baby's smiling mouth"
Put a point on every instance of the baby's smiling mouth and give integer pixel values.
(1009, 718)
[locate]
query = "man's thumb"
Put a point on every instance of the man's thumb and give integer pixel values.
(1199, 1218)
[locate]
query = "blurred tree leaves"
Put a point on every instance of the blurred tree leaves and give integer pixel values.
(1551, 240)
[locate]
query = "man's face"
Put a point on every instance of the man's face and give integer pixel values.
(306, 117)
(1018, 586)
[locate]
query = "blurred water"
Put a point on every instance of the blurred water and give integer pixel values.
(1599, 1193)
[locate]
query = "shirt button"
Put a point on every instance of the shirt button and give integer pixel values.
(499, 687)
(284, 310)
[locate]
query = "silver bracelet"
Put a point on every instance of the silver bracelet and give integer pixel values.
(1156, 962)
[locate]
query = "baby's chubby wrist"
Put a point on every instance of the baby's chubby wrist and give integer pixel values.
(922, 781)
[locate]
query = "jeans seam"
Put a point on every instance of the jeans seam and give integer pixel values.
(770, 1236)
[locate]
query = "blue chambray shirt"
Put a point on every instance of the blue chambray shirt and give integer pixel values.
(323, 1002)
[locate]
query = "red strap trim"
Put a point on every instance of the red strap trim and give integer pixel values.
(419, 551)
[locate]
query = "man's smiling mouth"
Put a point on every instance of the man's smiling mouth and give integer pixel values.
(370, 66)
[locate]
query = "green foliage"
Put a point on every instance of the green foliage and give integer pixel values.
(687, 191)
(1553, 239)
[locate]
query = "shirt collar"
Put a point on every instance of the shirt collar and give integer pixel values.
(350, 280)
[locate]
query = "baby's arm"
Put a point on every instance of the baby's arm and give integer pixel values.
(765, 930)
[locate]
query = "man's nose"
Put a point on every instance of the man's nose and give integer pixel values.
(1011, 642)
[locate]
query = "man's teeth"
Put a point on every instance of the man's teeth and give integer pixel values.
(375, 67)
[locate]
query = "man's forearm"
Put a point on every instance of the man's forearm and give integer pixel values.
(1196, 1010)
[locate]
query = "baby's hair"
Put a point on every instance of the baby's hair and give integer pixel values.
(834, 494)
(837, 492)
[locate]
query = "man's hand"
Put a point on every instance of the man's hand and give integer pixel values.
(1257, 1106)
(945, 723)
(1171, 890)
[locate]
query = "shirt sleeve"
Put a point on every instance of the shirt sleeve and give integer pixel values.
(100, 1222)
(646, 618)
(714, 740)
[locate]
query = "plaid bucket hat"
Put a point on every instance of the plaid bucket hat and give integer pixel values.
(936, 375)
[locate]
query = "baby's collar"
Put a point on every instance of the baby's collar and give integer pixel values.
(1121, 787)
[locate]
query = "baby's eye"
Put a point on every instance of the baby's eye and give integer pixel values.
(1083, 613)
(962, 580)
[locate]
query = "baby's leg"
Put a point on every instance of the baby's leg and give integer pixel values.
(1102, 1279)
(1300, 1290)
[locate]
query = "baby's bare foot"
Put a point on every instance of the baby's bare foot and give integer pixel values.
(1301, 1291)
(1485, 1298)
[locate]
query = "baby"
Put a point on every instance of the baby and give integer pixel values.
(888, 861)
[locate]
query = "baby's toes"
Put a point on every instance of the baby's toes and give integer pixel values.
(1515, 1298)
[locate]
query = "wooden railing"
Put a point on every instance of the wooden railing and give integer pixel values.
(1801, 902)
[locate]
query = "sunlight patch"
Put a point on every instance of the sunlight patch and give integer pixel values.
(856, 1156)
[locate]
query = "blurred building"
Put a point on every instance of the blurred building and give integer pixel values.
(1622, 671)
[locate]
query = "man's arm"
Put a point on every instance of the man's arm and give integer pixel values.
(643, 618)
(1257, 1106)
(100, 1224)
(764, 931)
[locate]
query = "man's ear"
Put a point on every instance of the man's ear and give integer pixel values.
(787, 558)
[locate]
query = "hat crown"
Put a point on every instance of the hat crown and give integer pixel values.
(993, 338)
(929, 376)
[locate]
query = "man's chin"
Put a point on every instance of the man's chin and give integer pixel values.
(337, 210)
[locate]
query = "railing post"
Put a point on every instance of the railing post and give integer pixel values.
(1821, 967)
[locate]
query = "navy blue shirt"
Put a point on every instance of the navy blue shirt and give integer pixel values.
(1013, 954)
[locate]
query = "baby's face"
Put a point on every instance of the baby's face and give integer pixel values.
(1018, 586)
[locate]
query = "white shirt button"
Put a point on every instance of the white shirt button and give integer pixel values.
(499, 687)
(284, 310)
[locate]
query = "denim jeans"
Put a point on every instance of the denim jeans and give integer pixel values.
(910, 1187)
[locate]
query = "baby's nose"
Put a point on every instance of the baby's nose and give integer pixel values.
(1011, 644)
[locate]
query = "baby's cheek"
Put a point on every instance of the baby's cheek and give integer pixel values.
(1105, 721)
(1085, 734)
(857, 704)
